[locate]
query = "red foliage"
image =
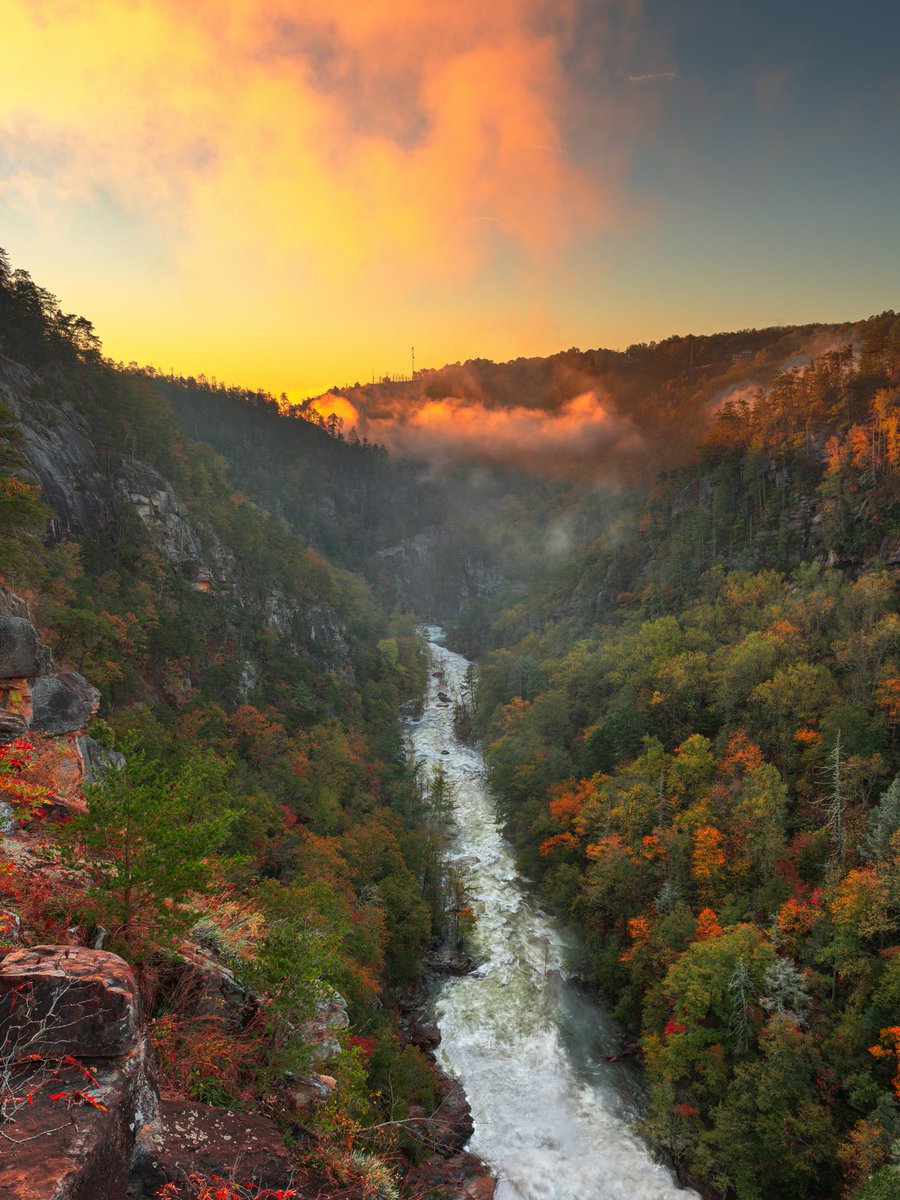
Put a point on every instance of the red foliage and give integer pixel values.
(686, 1110)
(565, 841)
(365, 1045)
(742, 755)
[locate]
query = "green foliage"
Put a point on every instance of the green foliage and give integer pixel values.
(21, 512)
(735, 874)
(145, 842)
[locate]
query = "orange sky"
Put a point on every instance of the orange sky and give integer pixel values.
(290, 195)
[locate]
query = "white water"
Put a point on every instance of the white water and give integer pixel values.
(552, 1120)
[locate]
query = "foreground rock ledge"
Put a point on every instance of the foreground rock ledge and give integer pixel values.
(68, 1000)
(56, 1002)
(187, 1138)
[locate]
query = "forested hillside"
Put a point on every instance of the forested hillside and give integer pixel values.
(692, 736)
(254, 837)
(689, 693)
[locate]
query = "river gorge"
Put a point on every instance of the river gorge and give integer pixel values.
(553, 1120)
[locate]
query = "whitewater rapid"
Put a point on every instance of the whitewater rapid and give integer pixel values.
(552, 1120)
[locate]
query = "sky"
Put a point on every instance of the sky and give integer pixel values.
(293, 195)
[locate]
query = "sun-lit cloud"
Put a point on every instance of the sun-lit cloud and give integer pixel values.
(569, 435)
(284, 158)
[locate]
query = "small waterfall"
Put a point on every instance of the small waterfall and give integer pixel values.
(552, 1119)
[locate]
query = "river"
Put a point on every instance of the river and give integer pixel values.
(552, 1119)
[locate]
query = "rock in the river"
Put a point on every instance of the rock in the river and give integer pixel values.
(62, 703)
(445, 961)
(188, 1138)
(450, 1126)
(461, 1177)
(68, 1000)
(420, 1032)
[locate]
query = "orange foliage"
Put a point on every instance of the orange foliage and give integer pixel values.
(807, 737)
(742, 754)
(608, 847)
(652, 848)
(639, 929)
(891, 1035)
(565, 841)
(707, 925)
(514, 713)
(785, 631)
(568, 800)
(795, 919)
(887, 696)
(860, 903)
(867, 1147)
(261, 734)
(709, 853)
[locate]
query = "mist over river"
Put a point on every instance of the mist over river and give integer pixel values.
(552, 1119)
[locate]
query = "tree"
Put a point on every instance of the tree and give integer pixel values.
(884, 821)
(145, 842)
(21, 512)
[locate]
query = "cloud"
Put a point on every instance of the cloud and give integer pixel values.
(336, 141)
(568, 437)
(654, 77)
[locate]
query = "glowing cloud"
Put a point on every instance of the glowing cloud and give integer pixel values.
(567, 437)
(283, 162)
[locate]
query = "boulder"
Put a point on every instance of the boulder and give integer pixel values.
(213, 989)
(303, 1095)
(70, 1039)
(62, 703)
(446, 961)
(68, 1000)
(12, 726)
(420, 1032)
(22, 653)
(96, 761)
(65, 1147)
(460, 1177)
(188, 1138)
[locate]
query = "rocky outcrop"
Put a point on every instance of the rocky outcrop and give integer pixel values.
(431, 573)
(38, 701)
(68, 1000)
(187, 1138)
(79, 1109)
(62, 703)
(167, 518)
(22, 654)
(77, 1074)
(321, 1033)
